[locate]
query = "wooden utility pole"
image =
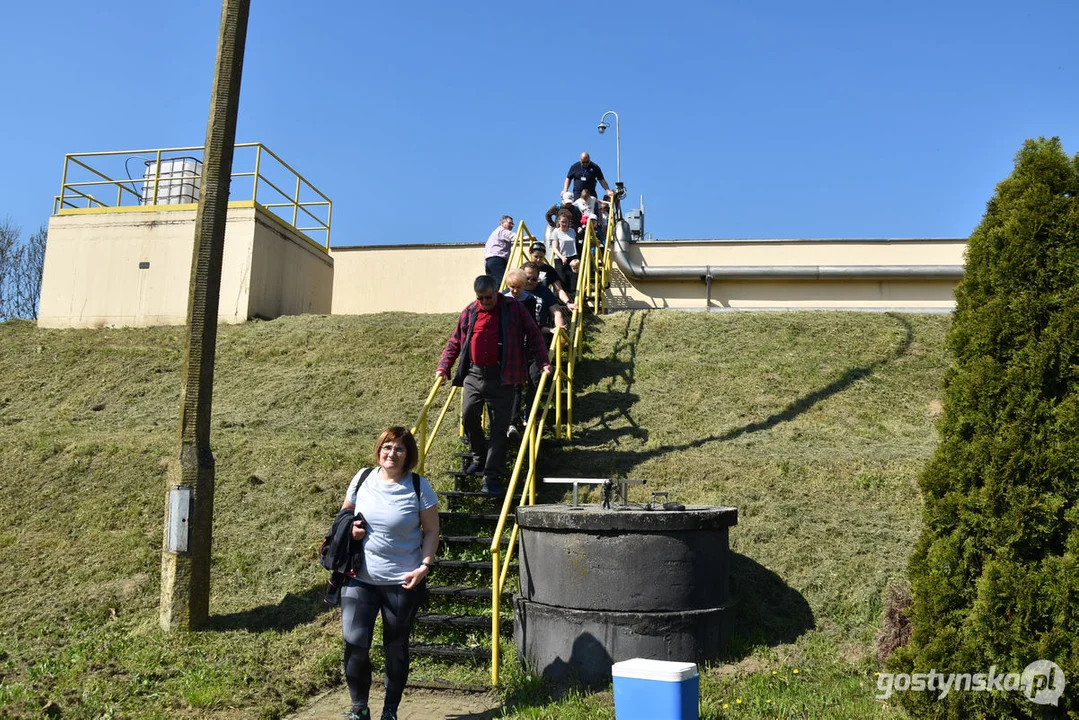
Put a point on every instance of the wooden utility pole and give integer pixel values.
(189, 509)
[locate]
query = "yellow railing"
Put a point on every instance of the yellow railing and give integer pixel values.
(522, 241)
(592, 281)
(275, 185)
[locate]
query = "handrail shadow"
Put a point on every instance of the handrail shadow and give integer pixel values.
(620, 462)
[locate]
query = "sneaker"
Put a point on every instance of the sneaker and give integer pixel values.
(512, 432)
(388, 714)
(358, 713)
(492, 487)
(476, 468)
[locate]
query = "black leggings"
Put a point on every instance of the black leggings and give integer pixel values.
(360, 605)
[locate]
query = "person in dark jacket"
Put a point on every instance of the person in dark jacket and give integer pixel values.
(549, 276)
(565, 205)
(490, 338)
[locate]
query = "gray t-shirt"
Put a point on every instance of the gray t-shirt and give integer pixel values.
(391, 516)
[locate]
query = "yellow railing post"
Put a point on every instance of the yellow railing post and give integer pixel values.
(441, 416)
(329, 221)
(495, 609)
(421, 441)
(559, 335)
(63, 181)
(420, 430)
(255, 180)
(157, 175)
(296, 202)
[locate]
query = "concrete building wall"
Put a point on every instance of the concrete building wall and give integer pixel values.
(289, 276)
(93, 276)
(915, 294)
(134, 268)
(438, 278)
(410, 278)
(799, 252)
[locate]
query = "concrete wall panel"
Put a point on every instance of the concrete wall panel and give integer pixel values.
(134, 268)
(438, 277)
(410, 278)
(289, 275)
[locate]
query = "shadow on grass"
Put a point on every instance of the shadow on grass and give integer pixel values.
(614, 463)
(611, 404)
(767, 610)
(294, 609)
(559, 680)
(485, 715)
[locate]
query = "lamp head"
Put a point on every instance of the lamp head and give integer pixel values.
(602, 127)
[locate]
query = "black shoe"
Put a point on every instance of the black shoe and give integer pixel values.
(476, 468)
(388, 714)
(492, 487)
(358, 713)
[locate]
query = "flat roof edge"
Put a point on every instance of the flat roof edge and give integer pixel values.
(659, 241)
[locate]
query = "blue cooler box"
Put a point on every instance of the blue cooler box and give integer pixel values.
(655, 690)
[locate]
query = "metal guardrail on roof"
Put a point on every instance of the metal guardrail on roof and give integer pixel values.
(169, 179)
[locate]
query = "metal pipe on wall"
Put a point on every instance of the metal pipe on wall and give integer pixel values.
(636, 271)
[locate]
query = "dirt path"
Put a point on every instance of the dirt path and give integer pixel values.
(417, 705)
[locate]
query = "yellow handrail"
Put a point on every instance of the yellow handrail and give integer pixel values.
(567, 341)
(500, 570)
(522, 240)
(71, 197)
(531, 438)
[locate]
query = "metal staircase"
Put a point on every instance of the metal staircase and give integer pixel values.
(463, 620)
(455, 623)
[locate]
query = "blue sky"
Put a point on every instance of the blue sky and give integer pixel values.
(426, 121)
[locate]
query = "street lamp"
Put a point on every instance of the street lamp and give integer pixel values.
(602, 127)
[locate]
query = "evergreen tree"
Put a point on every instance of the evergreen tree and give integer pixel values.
(995, 574)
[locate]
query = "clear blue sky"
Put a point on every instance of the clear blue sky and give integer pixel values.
(426, 121)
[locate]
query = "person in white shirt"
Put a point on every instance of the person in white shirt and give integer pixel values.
(564, 249)
(592, 209)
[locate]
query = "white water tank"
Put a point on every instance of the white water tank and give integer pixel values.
(177, 181)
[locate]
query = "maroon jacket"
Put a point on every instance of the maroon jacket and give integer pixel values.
(516, 328)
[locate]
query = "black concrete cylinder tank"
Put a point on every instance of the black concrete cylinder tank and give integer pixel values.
(600, 586)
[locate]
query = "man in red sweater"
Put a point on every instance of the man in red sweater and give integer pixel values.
(490, 337)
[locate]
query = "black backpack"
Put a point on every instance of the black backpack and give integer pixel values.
(338, 552)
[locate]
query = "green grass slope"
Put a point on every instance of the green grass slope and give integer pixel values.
(814, 425)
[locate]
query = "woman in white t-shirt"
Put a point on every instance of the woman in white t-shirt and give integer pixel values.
(397, 521)
(564, 249)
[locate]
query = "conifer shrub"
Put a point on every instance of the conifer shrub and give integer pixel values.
(995, 573)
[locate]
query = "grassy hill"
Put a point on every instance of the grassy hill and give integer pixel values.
(814, 425)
